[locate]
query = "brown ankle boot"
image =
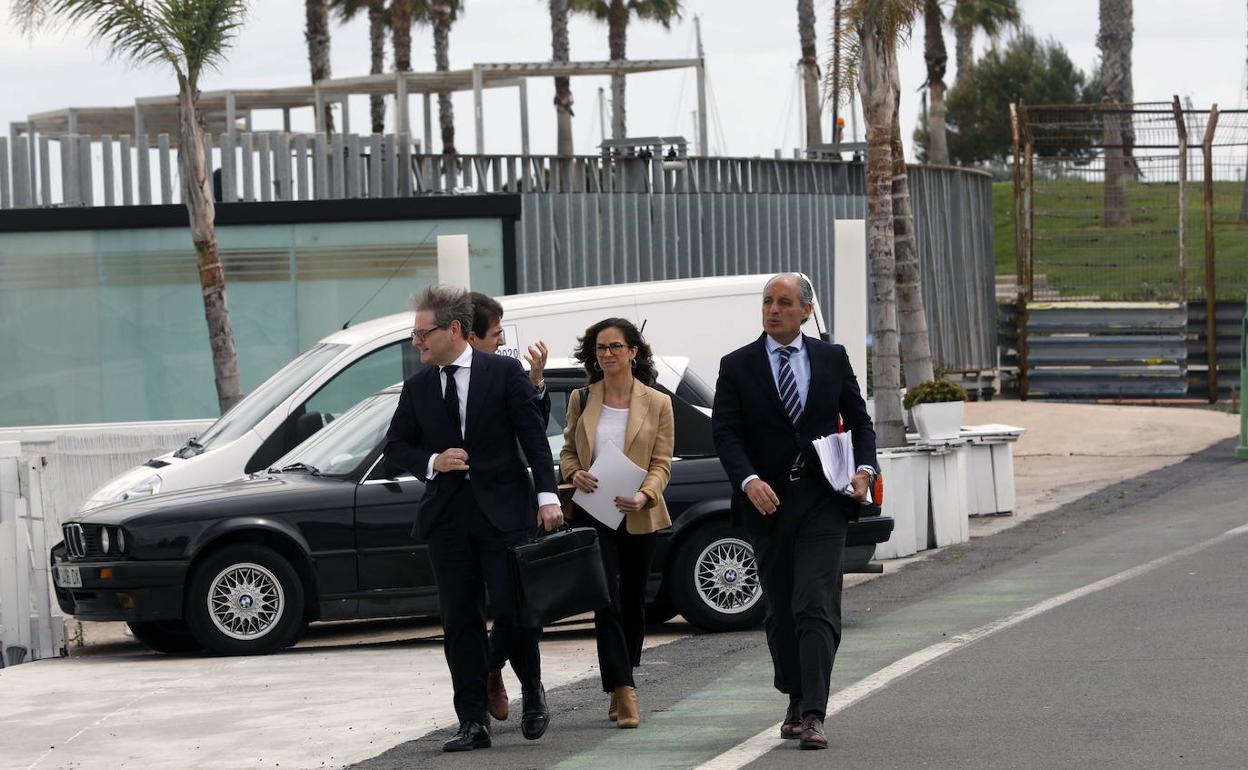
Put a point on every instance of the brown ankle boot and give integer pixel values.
(496, 695)
(613, 710)
(626, 703)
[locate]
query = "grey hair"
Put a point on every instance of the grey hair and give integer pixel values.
(448, 303)
(806, 292)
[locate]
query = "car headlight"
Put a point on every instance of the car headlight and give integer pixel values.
(145, 488)
(104, 539)
(121, 540)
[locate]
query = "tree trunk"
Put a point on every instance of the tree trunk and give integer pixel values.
(563, 86)
(1114, 40)
(916, 346)
(401, 35)
(617, 39)
(936, 57)
(441, 55)
(964, 47)
(377, 50)
(877, 84)
(810, 70)
(837, 131)
(201, 212)
(317, 35)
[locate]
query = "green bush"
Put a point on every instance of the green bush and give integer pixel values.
(933, 392)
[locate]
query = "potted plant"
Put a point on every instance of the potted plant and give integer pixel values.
(937, 407)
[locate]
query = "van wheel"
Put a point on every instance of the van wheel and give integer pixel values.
(245, 600)
(715, 581)
(167, 636)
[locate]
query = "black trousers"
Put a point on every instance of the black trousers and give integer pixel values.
(620, 628)
(799, 563)
(469, 557)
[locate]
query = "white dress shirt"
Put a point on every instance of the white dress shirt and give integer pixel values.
(463, 379)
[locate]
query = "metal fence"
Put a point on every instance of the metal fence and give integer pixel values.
(585, 220)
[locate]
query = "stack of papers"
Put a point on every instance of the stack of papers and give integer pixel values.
(836, 455)
(617, 476)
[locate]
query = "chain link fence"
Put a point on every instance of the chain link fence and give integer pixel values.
(1130, 202)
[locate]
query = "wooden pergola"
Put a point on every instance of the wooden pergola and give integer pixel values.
(222, 110)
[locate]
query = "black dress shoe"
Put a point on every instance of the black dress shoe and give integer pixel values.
(791, 727)
(813, 736)
(535, 715)
(471, 735)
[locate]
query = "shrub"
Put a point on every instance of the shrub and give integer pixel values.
(933, 392)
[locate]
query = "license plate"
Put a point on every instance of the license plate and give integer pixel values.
(69, 577)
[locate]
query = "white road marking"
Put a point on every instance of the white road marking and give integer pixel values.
(755, 747)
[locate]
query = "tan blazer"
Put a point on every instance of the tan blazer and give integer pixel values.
(648, 440)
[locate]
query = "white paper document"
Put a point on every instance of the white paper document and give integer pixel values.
(836, 455)
(617, 476)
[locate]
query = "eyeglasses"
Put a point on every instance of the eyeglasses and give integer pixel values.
(420, 334)
(613, 348)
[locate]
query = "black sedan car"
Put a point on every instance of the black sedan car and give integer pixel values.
(243, 567)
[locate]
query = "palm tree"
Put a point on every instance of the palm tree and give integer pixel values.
(991, 16)
(563, 86)
(810, 70)
(316, 32)
(617, 13)
(401, 14)
(872, 30)
(1114, 40)
(378, 20)
(187, 36)
(443, 14)
(936, 57)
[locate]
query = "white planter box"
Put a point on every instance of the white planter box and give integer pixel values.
(939, 421)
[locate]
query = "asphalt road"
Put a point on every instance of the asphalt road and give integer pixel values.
(1112, 659)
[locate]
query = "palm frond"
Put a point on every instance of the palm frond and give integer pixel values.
(599, 9)
(346, 10)
(29, 15)
(201, 30)
(662, 11)
(127, 28)
(895, 17)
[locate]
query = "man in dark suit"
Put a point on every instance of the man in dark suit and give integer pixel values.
(457, 427)
(487, 336)
(773, 397)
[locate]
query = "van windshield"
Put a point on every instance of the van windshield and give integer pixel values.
(248, 413)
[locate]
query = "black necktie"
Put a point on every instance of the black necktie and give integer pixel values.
(451, 398)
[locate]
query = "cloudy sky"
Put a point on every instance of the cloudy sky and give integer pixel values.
(1195, 48)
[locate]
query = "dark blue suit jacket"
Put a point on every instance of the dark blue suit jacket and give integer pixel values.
(754, 436)
(501, 412)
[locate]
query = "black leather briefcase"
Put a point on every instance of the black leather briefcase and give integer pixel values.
(557, 576)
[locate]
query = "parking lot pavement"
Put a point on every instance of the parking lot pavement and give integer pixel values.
(347, 692)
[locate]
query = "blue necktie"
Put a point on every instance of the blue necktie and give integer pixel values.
(788, 386)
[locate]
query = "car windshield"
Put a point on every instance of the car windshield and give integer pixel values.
(340, 447)
(248, 413)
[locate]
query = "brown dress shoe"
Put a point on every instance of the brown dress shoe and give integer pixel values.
(813, 736)
(613, 710)
(496, 695)
(626, 702)
(791, 728)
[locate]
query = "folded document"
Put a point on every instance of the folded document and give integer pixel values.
(836, 455)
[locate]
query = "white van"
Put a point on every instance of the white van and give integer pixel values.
(698, 319)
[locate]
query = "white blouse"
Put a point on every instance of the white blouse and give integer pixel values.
(612, 424)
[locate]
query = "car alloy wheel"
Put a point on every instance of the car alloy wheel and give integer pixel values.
(713, 578)
(245, 601)
(726, 576)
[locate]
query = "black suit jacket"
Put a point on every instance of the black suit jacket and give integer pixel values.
(754, 436)
(501, 413)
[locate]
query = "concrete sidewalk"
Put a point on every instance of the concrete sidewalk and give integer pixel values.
(351, 692)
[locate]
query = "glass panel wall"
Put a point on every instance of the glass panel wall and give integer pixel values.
(108, 325)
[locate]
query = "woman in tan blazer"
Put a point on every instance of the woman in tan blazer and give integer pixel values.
(621, 407)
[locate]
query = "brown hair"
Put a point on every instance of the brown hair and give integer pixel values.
(644, 361)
